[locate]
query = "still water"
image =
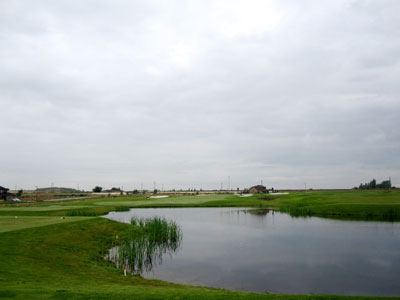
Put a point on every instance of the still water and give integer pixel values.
(275, 253)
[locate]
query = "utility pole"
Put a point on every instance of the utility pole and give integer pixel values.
(261, 182)
(229, 182)
(141, 187)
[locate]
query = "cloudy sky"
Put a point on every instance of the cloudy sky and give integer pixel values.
(187, 93)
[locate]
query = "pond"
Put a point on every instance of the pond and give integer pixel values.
(273, 252)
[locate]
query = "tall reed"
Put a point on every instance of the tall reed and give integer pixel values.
(149, 240)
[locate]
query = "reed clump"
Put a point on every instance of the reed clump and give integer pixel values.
(149, 240)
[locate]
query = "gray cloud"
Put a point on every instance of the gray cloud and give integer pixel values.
(189, 93)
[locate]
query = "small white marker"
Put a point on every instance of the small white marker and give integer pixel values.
(125, 271)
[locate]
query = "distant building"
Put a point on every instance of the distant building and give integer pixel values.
(5, 195)
(258, 189)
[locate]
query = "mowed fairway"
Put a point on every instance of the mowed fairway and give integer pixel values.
(351, 203)
(173, 201)
(41, 208)
(10, 223)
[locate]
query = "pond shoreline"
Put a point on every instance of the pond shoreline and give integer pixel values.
(178, 270)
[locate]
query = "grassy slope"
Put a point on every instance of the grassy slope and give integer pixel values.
(9, 223)
(41, 208)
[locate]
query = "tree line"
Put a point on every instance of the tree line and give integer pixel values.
(386, 184)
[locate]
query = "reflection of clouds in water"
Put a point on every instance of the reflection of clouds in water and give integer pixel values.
(230, 248)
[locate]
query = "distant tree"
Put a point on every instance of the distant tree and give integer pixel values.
(372, 184)
(115, 189)
(97, 189)
(19, 193)
(386, 184)
(135, 191)
(155, 191)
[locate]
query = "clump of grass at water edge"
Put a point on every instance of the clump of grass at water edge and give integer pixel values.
(148, 241)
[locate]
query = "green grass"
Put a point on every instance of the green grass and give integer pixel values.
(187, 201)
(62, 210)
(40, 208)
(81, 212)
(45, 257)
(9, 223)
(379, 205)
(170, 201)
(122, 208)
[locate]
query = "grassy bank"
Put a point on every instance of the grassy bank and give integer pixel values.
(10, 223)
(375, 205)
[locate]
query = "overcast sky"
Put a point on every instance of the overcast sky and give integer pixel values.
(187, 93)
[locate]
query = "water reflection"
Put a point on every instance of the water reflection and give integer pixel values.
(262, 212)
(270, 251)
